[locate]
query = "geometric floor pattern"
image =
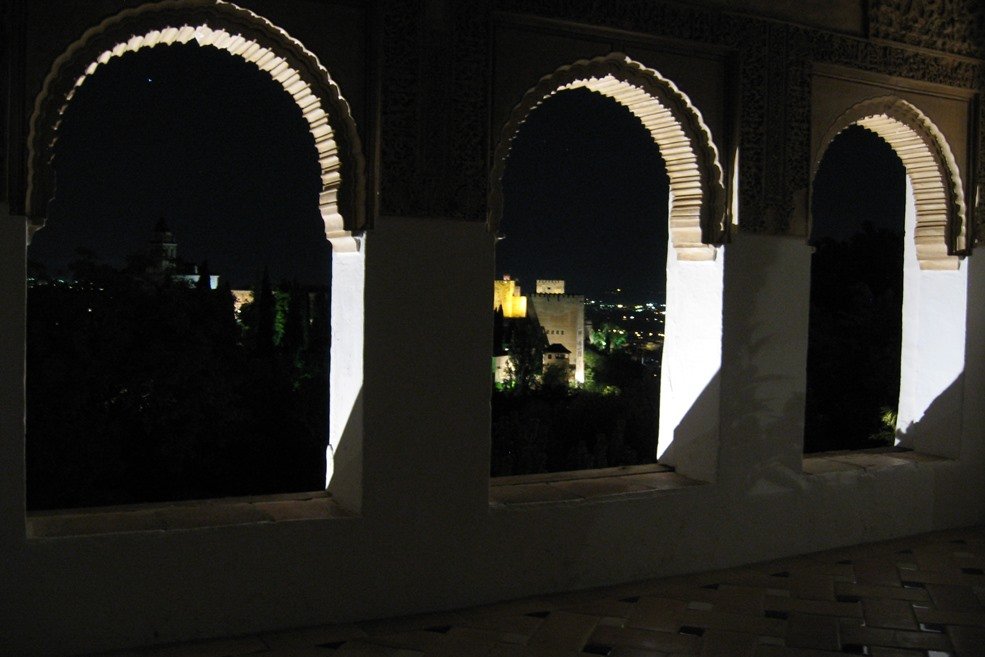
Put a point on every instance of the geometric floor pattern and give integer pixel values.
(921, 596)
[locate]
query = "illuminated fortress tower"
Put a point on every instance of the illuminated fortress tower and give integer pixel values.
(563, 318)
(506, 295)
(554, 286)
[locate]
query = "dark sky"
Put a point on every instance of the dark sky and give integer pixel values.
(585, 200)
(861, 179)
(218, 149)
(206, 141)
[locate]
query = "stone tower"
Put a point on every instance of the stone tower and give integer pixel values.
(162, 250)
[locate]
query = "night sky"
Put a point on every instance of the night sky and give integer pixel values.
(861, 179)
(203, 139)
(217, 149)
(585, 200)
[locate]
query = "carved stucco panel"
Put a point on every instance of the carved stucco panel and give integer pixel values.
(400, 109)
(434, 104)
(954, 26)
(775, 70)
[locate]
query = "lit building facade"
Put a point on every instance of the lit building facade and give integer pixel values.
(550, 286)
(563, 318)
(507, 296)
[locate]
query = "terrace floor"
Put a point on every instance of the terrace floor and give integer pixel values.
(921, 596)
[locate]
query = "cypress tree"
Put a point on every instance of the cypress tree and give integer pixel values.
(204, 281)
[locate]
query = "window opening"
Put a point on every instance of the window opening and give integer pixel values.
(178, 302)
(856, 296)
(580, 293)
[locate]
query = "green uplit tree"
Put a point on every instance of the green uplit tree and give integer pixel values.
(609, 338)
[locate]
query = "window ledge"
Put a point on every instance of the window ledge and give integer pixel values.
(177, 516)
(864, 460)
(584, 485)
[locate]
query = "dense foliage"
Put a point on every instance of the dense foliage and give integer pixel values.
(547, 426)
(853, 360)
(142, 390)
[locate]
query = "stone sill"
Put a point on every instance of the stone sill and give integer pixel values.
(864, 460)
(631, 481)
(178, 516)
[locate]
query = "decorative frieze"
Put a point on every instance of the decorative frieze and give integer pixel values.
(952, 26)
(401, 162)
(775, 70)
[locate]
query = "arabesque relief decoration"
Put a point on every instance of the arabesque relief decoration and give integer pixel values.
(775, 61)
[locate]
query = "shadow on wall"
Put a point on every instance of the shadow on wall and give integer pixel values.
(764, 363)
(957, 500)
(762, 433)
(746, 428)
(346, 463)
(939, 429)
(694, 449)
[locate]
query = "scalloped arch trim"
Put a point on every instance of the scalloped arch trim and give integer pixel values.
(941, 232)
(698, 208)
(242, 33)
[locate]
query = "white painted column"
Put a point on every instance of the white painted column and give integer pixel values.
(933, 350)
(343, 472)
(692, 357)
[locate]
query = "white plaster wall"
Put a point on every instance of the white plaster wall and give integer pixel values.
(933, 350)
(427, 538)
(345, 421)
(972, 455)
(764, 360)
(692, 358)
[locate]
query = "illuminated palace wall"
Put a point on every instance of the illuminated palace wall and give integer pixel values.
(563, 318)
(551, 286)
(408, 104)
(506, 295)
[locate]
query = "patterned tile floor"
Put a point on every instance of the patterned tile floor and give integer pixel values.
(922, 596)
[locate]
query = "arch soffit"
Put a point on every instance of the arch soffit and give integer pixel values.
(941, 231)
(240, 32)
(698, 208)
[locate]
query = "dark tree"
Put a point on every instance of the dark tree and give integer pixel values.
(266, 314)
(295, 321)
(204, 281)
(525, 345)
(853, 358)
(144, 391)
